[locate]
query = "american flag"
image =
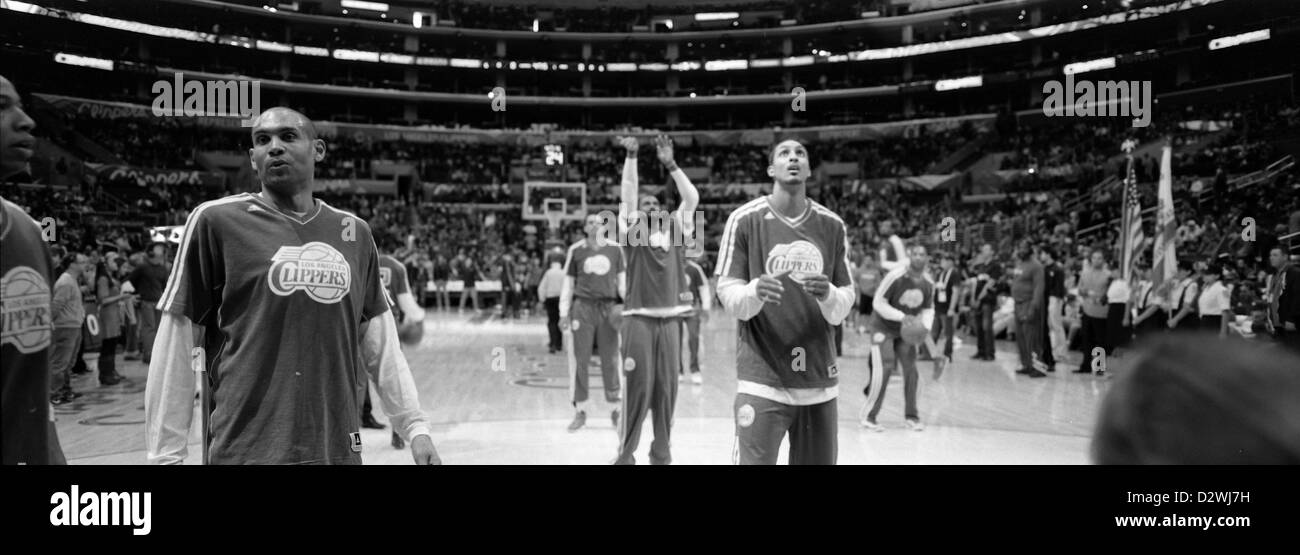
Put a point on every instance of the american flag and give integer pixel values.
(1131, 223)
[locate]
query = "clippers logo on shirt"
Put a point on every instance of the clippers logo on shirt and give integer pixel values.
(26, 310)
(912, 298)
(596, 265)
(801, 258)
(315, 268)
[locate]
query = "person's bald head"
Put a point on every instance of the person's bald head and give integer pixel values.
(1197, 399)
(285, 150)
(284, 114)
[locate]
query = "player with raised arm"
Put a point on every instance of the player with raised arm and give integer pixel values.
(657, 301)
(286, 291)
(783, 271)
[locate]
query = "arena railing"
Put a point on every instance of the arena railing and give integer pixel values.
(756, 136)
(1235, 184)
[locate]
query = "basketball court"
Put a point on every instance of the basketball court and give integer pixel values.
(496, 397)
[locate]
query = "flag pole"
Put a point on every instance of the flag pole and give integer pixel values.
(1126, 264)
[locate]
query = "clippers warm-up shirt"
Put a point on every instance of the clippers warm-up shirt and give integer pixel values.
(25, 277)
(392, 273)
(282, 300)
(594, 270)
(909, 295)
(656, 270)
(790, 345)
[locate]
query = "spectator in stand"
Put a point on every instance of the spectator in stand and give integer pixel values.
(68, 313)
(1214, 306)
(469, 274)
(441, 273)
(108, 293)
(1118, 320)
(1093, 282)
(549, 289)
(1055, 346)
(148, 280)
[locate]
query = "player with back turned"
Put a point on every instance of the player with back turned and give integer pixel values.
(783, 271)
(287, 293)
(657, 301)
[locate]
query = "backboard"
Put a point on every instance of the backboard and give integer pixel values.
(569, 198)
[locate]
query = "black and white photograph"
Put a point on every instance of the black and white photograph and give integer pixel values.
(1057, 236)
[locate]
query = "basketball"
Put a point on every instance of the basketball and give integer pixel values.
(913, 330)
(410, 333)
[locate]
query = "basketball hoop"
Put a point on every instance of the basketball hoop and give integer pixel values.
(553, 220)
(554, 209)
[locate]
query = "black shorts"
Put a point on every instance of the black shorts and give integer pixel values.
(864, 303)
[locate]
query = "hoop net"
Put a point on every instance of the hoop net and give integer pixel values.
(553, 210)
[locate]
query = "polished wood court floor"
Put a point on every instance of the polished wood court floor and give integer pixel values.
(497, 397)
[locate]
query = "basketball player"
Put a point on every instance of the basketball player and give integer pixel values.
(701, 302)
(26, 419)
(868, 279)
(594, 280)
(783, 271)
(657, 301)
(287, 292)
(891, 251)
(392, 273)
(904, 295)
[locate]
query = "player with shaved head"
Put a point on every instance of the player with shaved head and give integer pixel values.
(286, 292)
(27, 433)
(783, 271)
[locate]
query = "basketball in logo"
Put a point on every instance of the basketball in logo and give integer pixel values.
(912, 298)
(597, 265)
(26, 310)
(745, 416)
(315, 268)
(801, 258)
